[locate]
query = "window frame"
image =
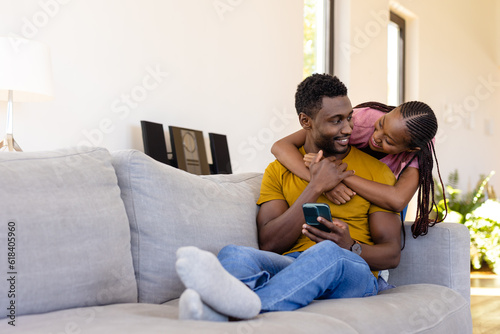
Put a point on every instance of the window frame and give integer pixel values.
(331, 37)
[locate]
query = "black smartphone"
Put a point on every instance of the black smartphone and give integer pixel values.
(314, 210)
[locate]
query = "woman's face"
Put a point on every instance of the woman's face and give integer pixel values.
(391, 134)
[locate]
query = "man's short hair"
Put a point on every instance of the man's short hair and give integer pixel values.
(310, 92)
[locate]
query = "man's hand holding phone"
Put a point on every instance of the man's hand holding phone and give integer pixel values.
(314, 210)
(319, 228)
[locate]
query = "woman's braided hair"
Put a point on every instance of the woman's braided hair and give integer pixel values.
(422, 127)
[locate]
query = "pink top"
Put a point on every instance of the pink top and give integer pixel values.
(364, 125)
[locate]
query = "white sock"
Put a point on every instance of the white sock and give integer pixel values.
(201, 271)
(192, 308)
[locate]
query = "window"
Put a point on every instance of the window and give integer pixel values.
(318, 37)
(396, 60)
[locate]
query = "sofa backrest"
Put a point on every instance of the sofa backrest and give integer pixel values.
(169, 208)
(64, 229)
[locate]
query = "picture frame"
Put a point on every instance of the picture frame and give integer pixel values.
(188, 150)
(153, 139)
(220, 154)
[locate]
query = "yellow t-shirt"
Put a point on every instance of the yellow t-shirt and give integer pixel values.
(279, 183)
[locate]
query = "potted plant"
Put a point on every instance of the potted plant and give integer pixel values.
(479, 210)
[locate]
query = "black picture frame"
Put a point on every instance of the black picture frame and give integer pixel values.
(220, 154)
(153, 139)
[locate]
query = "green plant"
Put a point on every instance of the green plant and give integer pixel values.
(484, 225)
(480, 212)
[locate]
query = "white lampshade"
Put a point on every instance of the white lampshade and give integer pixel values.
(25, 68)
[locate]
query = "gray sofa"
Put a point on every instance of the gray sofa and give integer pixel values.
(88, 243)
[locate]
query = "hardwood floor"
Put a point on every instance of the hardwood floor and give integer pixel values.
(485, 302)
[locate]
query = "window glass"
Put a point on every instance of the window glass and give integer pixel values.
(395, 60)
(315, 36)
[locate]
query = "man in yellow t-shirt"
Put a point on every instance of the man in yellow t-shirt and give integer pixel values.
(297, 263)
(280, 184)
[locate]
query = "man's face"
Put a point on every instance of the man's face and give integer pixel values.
(332, 126)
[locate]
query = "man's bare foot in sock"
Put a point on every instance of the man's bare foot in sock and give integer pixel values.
(202, 272)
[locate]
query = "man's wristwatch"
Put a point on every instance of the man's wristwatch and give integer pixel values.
(356, 247)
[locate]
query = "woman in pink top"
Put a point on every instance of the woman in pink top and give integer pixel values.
(402, 138)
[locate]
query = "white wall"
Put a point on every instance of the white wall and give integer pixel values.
(368, 51)
(223, 66)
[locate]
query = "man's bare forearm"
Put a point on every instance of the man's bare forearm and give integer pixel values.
(280, 233)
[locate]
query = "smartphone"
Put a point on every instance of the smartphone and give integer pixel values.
(314, 210)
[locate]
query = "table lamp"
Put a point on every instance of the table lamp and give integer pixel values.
(25, 76)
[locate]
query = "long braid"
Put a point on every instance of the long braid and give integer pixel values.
(422, 127)
(375, 105)
(442, 187)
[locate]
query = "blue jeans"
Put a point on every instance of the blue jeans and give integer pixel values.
(288, 282)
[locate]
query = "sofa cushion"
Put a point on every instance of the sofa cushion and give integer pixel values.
(169, 208)
(419, 308)
(140, 318)
(69, 232)
(414, 308)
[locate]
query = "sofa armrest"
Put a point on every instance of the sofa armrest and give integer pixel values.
(441, 257)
